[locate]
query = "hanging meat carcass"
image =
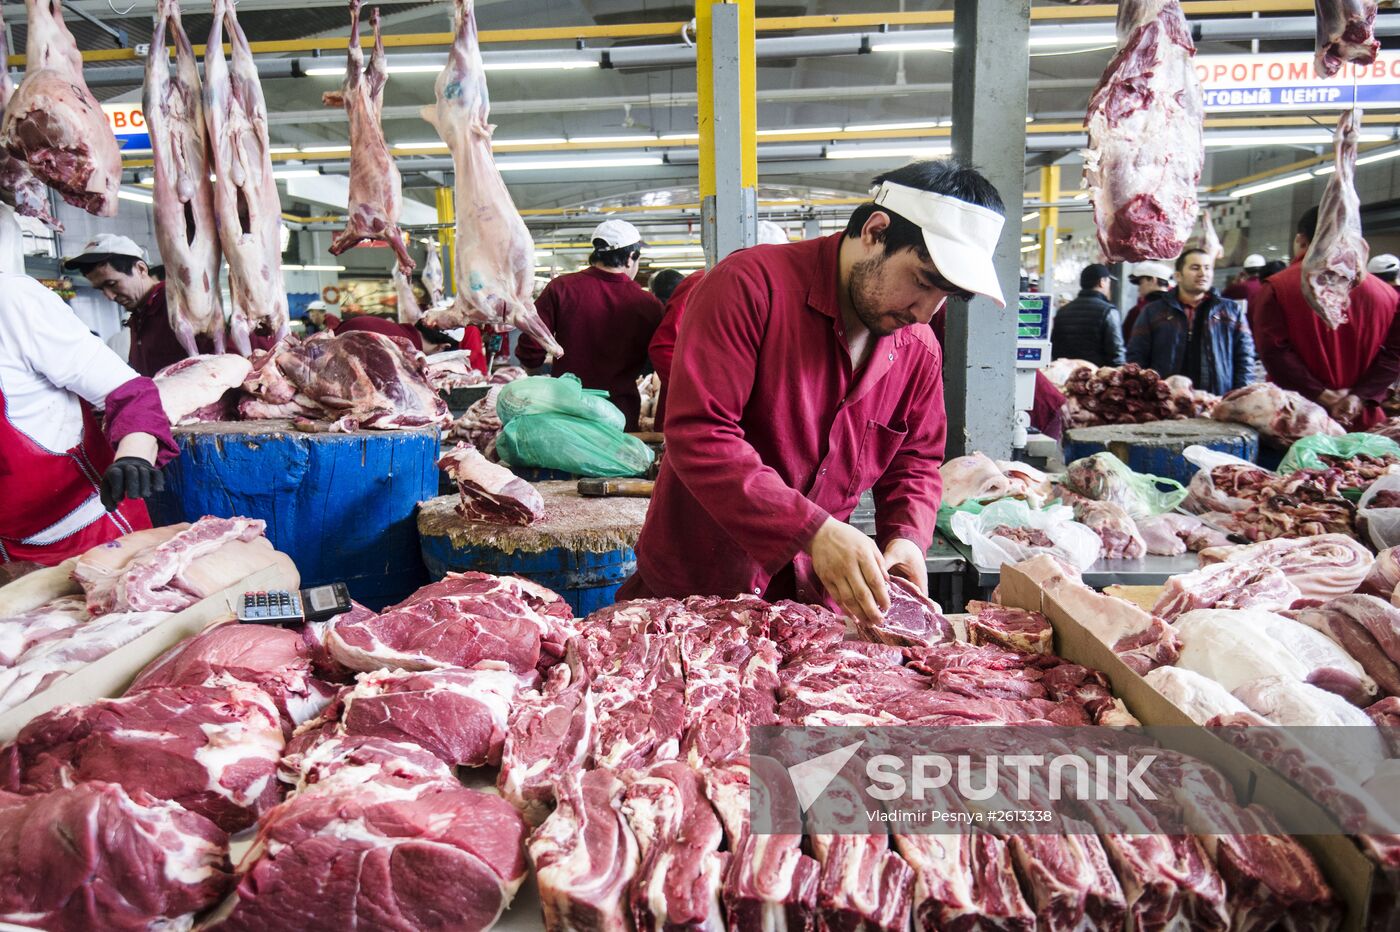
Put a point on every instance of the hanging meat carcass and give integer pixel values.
(1344, 34)
(1209, 239)
(1336, 258)
(1145, 137)
(409, 311)
(434, 281)
(53, 123)
(18, 186)
(376, 190)
(493, 254)
(184, 200)
(246, 204)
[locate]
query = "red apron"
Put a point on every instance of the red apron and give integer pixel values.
(52, 507)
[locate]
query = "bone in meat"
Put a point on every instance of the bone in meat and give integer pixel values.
(18, 186)
(493, 254)
(1336, 258)
(1145, 137)
(53, 122)
(184, 200)
(1344, 34)
(376, 190)
(246, 204)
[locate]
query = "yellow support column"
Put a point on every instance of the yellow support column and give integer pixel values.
(1049, 222)
(447, 214)
(728, 125)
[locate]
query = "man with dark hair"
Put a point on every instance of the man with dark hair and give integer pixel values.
(117, 267)
(1348, 370)
(1151, 279)
(1194, 332)
(602, 318)
(803, 375)
(1088, 326)
(663, 283)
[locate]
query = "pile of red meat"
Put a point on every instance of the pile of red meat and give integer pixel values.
(1260, 505)
(1131, 395)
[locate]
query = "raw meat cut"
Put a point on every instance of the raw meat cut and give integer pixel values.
(1069, 881)
(197, 562)
(1306, 503)
(548, 739)
(196, 389)
(91, 856)
(1344, 34)
(186, 230)
(466, 620)
(53, 658)
(974, 477)
(1140, 640)
(964, 882)
(1348, 621)
(1130, 394)
(20, 632)
(1218, 644)
(98, 570)
(409, 310)
(585, 856)
(452, 369)
(1322, 567)
(18, 187)
(1336, 258)
(863, 884)
(213, 750)
(1173, 534)
(275, 660)
(1330, 667)
(493, 254)
(1290, 703)
(353, 759)
(1209, 240)
(379, 854)
(1009, 628)
(1386, 715)
(376, 190)
(1145, 136)
(1276, 413)
(37, 586)
(1121, 540)
(53, 123)
(913, 619)
(1103, 477)
(246, 204)
(490, 492)
(434, 281)
(1226, 585)
(480, 424)
(1199, 697)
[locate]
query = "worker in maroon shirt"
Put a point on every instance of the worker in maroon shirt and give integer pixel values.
(803, 375)
(602, 318)
(1349, 370)
(117, 267)
(1249, 283)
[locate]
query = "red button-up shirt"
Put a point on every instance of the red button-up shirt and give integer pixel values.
(769, 431)
(663, 342)
(1304, 355)
(153, 342)
(604, 321)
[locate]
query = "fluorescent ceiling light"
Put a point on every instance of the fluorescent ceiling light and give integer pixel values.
(1300, 139)
(137, 196)
(282, 150)
(1060, 41)
(566, 65)
(569, 163)
(1364, 160)
(1031, 215)
(1031, 248)
(1027, 238)
(1271, 184)
(296, 173)
(646, 137)
(799, 129)
(313, 268)
(542, 141)
(322, 72)
(890, 152)
(913, 124)
(672, 250)
(309, 150)
(893, 45)
(694, 135)
(418, 146)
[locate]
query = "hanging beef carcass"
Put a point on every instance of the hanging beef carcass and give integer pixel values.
(246, 204)
(433, 278)
(18, 186)
(1210, 240)
(1344, 34)
(493, 254)
(409, 310)
(1336, 258)
(184, 199)
(1145, 136)
(376, 190)
(54, 124)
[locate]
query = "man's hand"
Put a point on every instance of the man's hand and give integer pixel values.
(1345, 409)
(904, 558)
(130, 477)
(851, 568)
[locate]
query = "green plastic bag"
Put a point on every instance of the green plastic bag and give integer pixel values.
(571, 444)
(1105, 478)
(1306, 453)
(541, 394)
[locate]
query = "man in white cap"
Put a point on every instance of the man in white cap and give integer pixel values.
(118, 268)
(1247, 285)
(1151, 278)
(1385, 267)
(805, 374)
(602, 318)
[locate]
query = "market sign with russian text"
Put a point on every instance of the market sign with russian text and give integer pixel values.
(128, 124)
(1286, 82)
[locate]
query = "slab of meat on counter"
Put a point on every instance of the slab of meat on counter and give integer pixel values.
(1276, 413)
(490, 492)
(1011, 628)
(1130, 394)
(913, 619)
(1173, 534)
(1121, 540)
(1368, 628)
(1226, 585)
(1322, 567)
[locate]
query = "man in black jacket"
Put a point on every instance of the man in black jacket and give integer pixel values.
(1089, 327)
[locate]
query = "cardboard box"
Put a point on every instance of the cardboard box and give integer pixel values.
(1357, 880)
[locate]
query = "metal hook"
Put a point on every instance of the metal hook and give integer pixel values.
(689, 40)
(122, 12)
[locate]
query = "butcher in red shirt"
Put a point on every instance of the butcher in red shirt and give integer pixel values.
(602, 318)
(1349, 370)
(803, 375)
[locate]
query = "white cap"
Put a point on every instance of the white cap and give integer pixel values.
(316, 304)
(616, 234)
(1385, 262)
(1151, 270)
(961, 237)
(771, 234)
(1255, 261)
(103, 246)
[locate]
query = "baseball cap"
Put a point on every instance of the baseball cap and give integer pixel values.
(616, 234)
(1254, 261)
(1094, 273)
(1158, 270)
(1385, 262)
(961, 237)
(770, 233)
(102, 247)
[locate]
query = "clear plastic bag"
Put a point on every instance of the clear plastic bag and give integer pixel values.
(1202, 495)
(573, 445)
(1305, 453)
(541, 394)
(1069, 540)
(1105, 478)
(1381, 524)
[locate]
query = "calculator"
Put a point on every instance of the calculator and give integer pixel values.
(294, 607)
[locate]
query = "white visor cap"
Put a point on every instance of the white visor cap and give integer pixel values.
(961, 237)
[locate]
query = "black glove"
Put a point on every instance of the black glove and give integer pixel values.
(129, 477)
